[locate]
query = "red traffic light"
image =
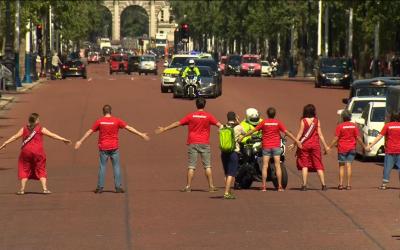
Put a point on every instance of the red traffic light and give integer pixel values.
(39, 26)
(185, 26)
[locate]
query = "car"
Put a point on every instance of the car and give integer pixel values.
(357, 104)
(232, 66)
(222, 63)
(209, 86)
(210, 63)
(118, 63)
(93, 57)
(266, 69)
(147, 64)
(332, 71)
(372, 87)
(370, 124)
(171, 73)
(73, 68)
(6, 77)
(133, 64)
(205, 56)
(250, 65)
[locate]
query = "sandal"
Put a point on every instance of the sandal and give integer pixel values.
(186, 189)
(21, 192)
(229, 196)
(280, 189)
(383, 187)
(340, 187)
(263, 189)
(348, 188)
(46, 191)
(303, 188)
(212, 189)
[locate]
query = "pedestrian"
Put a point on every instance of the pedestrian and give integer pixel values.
(346, 137)
(309, 157)
(199, 123)
(32, 159)
(391, 132)
(108, 127)
(230, 159)
(271, 142)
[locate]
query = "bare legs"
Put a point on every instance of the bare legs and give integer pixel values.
(23, 184)
(208, 173)
(43, 181)
(341, 173)
(320, 174)
(265, 172)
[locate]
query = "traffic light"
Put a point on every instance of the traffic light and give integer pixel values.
(185, 31)
(39, 36)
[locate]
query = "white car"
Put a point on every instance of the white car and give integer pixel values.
(370, 125)
(357, 104)
(266, 69)
(147, 65)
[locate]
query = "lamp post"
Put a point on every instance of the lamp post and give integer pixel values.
(17, 40)
(9, 55)
(28, 61)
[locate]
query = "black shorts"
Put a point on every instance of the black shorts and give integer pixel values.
(230, 162)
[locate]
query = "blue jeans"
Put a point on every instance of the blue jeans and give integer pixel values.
(390, 161)
(114, 155)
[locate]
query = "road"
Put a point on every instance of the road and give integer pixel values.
(153, 214)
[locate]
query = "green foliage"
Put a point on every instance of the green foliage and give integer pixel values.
(134, 22)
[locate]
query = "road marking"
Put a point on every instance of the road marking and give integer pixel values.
(112, 79)
(131, 78)
(153, 79)
(90, 79)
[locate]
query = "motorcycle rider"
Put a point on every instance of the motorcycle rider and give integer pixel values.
(250, 122)
(191, 69)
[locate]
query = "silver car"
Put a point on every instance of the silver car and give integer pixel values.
(147, 64)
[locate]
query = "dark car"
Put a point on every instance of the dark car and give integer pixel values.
(133, 64)
(74, 68)
(334, 72)
(232, 66)
(209, 86)
(372, 87)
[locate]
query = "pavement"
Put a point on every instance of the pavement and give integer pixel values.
(153, 214)
(8, 97)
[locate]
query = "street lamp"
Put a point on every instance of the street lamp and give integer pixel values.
(9, 55)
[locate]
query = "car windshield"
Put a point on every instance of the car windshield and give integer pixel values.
(235, 60)
(147, 58)
(358, 106)
(378, 114)
(250, 59)
(207, 63)
(117, 58)
(205, 72)
(370, 91)
(178, 62)
(265, 63)
(334, 62)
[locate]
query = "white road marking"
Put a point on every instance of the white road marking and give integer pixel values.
(131, 78)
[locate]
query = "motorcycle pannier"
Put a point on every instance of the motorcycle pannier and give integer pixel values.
(227, 141)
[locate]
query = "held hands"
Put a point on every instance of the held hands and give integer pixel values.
(367, 148)
(78, 144)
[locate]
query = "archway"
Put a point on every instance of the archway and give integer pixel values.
(134, 22)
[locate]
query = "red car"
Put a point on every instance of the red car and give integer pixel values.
(93, 57)
(118, 63)
(250, 66)
(222, 63)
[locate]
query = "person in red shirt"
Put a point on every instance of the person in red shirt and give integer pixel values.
(346, 137)
(32, 159)
(198, 141)
(108, 127)
(271, 142)
(391, 132)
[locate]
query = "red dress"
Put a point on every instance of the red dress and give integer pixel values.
(32, 160)
(310, 155)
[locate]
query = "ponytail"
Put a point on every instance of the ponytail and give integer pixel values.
(32, 121)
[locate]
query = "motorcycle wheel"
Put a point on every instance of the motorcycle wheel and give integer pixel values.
(274, 179)
(244, 178)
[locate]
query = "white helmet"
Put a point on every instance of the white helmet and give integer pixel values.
(252, 116)
(191, 63)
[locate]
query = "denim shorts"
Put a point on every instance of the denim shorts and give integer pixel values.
(199, 149)
(272, 152)
(347, 157)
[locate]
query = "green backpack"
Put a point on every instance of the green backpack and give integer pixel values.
(227, 142)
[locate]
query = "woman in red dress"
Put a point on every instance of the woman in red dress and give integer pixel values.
(32, 159)
(309, 156)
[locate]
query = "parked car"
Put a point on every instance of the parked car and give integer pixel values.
(208, 86)
(93, 57)
(222, 63)
(147, 64)
(118, 63)
(6, 77)
(133, 64)
(357, 104)
(266, 69)
(171, 73)
(334, 72)
(370, 124)
(232, 66)
(73, 68)
(372, 87)
(250, 65)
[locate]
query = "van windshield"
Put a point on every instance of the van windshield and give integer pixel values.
(370, 91)
(378, 114)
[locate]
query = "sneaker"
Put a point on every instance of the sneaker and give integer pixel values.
(46, 191)
(98, 191)
(229, 196)
(119, 190)
(212, 189)
(324, 188)
(186, 189)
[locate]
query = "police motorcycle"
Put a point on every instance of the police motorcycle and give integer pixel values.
(251, 163)
(191, 86)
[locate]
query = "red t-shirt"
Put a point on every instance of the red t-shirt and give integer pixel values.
(108, 132)
(199, 127)
(391, 131)
(271, 136)
(347, 134)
